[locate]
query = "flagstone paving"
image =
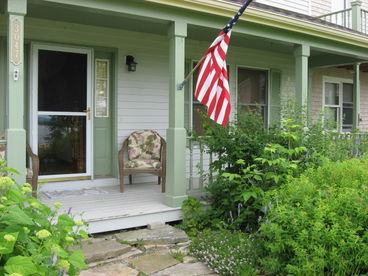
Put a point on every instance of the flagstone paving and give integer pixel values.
(159, 250)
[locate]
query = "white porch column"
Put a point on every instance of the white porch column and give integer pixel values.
(356, 96)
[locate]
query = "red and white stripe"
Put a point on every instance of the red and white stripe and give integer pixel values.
(212, 87)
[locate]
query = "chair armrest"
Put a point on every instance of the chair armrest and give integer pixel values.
(121, 152)
(163, 154)
(35, 168)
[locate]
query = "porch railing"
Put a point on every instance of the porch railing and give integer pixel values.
(364, 17)
(358, 143)
(198, 161)
(354, 18)
(341, 18)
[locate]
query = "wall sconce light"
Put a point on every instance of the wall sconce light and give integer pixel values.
(132, 65)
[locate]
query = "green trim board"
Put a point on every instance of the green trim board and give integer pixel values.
(103, 126)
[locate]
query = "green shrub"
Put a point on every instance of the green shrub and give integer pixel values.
(317, 224)
(243, 139)
(34, 240)
(225, 252)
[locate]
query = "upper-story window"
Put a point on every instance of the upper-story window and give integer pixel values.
(253, 91)
(338, 104)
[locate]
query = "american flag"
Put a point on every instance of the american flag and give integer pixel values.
(212, 88)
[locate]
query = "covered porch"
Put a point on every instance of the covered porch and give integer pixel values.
(166, 40)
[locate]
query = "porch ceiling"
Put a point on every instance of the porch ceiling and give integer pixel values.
(241, 40)
(65, 13)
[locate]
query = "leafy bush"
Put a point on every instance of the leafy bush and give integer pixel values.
(226, 252)
(317, 224)
(34, 240)
(243, 139)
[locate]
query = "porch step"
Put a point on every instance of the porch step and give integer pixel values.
(154, 252)
(101, 249)
(164, 234)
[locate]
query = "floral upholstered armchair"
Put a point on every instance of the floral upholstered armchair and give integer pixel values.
(146, 154)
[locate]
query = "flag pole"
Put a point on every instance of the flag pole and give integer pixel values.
(227, 27)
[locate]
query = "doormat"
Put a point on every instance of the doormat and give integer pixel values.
(73, 193)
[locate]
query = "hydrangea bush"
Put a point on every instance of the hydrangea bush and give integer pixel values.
(34, 239)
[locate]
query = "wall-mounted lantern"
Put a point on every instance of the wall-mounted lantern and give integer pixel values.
(132, 65)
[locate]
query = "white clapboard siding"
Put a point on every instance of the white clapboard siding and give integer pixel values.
(320, 7)
(299, 6)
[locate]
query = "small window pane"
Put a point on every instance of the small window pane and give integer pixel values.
(102, 69)
(331, 93)
(331, 117)
(347, 116)
(348, 93)
(198, 111)
(261, 110)
(252, 86)
(102, 88)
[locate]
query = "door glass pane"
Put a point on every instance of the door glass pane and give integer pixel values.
(331, 93)
(61, 141)
(62, 81)
(252, 86)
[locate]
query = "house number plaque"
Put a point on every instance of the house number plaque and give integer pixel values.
(15, 42)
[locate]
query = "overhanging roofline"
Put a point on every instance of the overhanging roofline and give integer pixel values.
(228, 9)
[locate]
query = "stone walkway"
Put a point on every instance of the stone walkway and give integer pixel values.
(159, 250)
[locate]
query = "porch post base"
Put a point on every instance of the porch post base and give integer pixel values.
(16, 152)
(174, 201)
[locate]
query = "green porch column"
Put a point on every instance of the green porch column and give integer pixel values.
(15, 133)
(176, 188)
(356, 96)
(301, 54)
(356, 15)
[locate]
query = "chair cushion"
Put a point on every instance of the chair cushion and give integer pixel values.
(144, 145)
(143, 164)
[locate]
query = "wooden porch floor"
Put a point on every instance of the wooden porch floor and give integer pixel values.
(110, 210)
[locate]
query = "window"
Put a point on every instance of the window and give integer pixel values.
(102, 88)
(338, 105)
(253, 91)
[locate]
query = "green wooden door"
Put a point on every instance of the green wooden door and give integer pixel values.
(103, 115)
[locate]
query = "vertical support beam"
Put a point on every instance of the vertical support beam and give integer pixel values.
(15, 133)
(356, 97)
(176, 188)
(301, 54)
(356, 15)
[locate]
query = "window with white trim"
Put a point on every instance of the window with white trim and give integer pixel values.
(338, 105)
(253, 91)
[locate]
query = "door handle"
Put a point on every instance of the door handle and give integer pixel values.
(88, 110)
